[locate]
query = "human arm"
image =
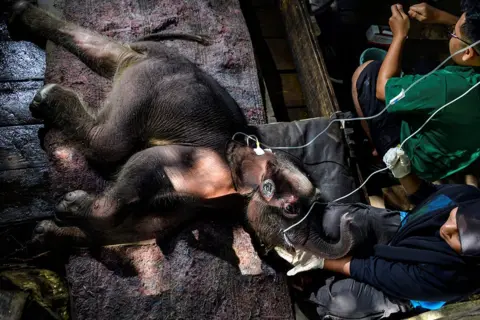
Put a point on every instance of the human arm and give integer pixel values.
(304, 261)
(416, 189)
(338, 265)
(411, 183)
(425, 13)
(402, 280)
(391, 65)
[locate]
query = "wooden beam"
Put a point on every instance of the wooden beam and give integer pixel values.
(317, 88)
(292, 90)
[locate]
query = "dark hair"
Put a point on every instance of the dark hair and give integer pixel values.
(471, 27)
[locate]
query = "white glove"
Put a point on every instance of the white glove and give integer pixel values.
(301, 260)
(398, 162)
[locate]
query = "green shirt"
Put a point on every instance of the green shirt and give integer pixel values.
(451, 139)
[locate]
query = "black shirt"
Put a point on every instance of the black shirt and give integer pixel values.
(418, 264)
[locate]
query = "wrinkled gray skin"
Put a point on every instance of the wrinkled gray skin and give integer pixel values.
(166, 124)
(333, 231)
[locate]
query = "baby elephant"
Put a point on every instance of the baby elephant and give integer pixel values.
(169, 128)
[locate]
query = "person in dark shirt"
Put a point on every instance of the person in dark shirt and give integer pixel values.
(446, 145)
(431, 260)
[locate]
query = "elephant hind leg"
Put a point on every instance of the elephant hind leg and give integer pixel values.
(48, 234)
(99, 53)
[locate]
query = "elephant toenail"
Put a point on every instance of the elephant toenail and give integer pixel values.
(39, 229)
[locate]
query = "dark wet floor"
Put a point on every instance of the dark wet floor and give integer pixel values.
(24, 196)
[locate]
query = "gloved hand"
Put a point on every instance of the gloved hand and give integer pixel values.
(398, 162)
(301, 260)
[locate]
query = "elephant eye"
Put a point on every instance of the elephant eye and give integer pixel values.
(268, 189)
(290, 210)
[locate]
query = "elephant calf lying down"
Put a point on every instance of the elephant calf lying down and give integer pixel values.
(167, 126)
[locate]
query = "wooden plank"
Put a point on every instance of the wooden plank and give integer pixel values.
(15, 97)
(270, 23)
(266, 67)
(297, 113)
(281, 53)
(292, 90)
(25, 195)
(20, 148)
(317, 89)
(21, 60)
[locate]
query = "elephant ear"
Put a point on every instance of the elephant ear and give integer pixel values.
(250, 170)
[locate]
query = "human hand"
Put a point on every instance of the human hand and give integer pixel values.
(301, 260)
(398, 162)
(399, 22)
(425, 13)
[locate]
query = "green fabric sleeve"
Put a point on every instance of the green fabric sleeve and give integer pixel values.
(426, 95)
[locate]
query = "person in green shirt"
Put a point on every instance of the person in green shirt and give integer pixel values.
(450, 142)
